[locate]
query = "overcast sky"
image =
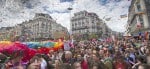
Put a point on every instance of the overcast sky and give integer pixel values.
(13, 12)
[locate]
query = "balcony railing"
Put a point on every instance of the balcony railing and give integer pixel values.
(133, 28)
(140, 12)
(80, 28)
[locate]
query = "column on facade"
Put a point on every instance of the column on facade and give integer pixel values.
(88, 20)
(137, 17)
(48, 28)
(38, 28)
(33, 31)
(44, 30)
(145, 17)
(71, 26)
(87, 24)
(39, 31)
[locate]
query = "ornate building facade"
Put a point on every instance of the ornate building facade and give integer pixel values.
(139, 17)
(85, 24)
(42, 26)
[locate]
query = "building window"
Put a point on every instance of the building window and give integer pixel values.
(46, 29)
(138, 6)
(141, 20)
(79, 31)
(92, 21)
(147, 1)
(148, 14)
(42, 25)
(75, 24)
(72, 25)
(93, 27)
(79, 23)
(82, 23)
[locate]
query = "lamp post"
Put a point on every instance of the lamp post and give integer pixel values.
(70, 19)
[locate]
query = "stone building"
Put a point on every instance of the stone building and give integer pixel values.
(85, 23)
(139, 17)
(3, 32)
(41, 27)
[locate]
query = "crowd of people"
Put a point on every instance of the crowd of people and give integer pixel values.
(88, 54)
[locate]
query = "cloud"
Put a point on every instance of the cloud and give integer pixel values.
(111, 9)
(66, 1)
(22, 10)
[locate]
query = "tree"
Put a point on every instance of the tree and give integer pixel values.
(93, 35)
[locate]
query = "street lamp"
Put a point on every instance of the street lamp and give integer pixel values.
(70, 8)
(70, 18)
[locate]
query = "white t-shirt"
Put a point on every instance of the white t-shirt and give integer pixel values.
(66, 46)
(43, 64)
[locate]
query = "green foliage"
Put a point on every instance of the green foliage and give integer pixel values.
(93, 35)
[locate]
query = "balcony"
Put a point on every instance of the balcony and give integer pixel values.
(99, 28)
(133, 28)
(139, 12)
(132, 25)
(80, 28)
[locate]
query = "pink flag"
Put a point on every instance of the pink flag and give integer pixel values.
(138, 25)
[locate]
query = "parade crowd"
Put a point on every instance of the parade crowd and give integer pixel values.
(122, 53)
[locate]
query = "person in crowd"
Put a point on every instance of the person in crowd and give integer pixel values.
(148, 55)
(119, 62)
(66, 66)
(96, 59)
(89, 54)
(140, 60)
(108, 60)
(35, 62)
(3, 59)
(127, 57)
(67, 57)
(44, 64)
(143, 66)
(84, 64)
(101, 53)
(95, 66)
(77, 65)
(15, 62)
(48, 62)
